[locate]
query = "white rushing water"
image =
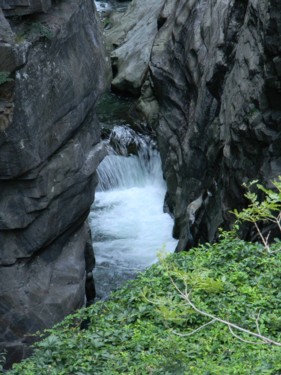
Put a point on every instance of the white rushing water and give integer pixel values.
(102, 6)
(127, 219)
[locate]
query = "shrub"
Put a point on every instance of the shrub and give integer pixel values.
(266, 210)
(137, 330)
(193, 313)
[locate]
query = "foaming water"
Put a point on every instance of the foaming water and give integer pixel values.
(102, 6)
(119, 172)
(127, 219)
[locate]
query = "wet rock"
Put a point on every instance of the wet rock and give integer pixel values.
(125, 141)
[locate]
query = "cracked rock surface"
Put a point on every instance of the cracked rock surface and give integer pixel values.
(54, 65)
(212, 93)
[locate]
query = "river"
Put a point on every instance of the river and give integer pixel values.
(127, 220)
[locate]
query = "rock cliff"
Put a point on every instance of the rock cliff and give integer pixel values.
(52, 71)
(212, 93)
(131, 43)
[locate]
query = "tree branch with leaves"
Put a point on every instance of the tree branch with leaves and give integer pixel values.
(267, 210)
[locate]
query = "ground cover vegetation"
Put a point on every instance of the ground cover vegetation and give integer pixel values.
(213, 310)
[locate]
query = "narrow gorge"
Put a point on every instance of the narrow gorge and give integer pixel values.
(203, 83)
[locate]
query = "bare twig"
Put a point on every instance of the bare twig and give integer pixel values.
(267, 238)
(231, 326)
(196, 330)
(264, 240)
(278, 221)
(265, 340)
(257, 322)
(243, 340)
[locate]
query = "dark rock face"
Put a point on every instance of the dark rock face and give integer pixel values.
(23, 7)
(132, 42)
(49, 152)
(41, 291)
(212, 94)
(220, 132)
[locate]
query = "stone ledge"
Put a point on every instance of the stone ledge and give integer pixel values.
(24, 7)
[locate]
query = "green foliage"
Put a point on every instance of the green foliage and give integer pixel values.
(19, 38)
(4, 77)
(149, 328)
(33, 31)
(37, 29)
(106, 22)
(2, 360)
(134, 332)
(265, 210)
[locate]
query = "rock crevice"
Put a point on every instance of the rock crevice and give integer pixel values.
(212, 95)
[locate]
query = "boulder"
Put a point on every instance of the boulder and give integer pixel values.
(125, 141)
(131, 40)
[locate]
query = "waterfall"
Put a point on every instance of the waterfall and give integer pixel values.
(128, 223)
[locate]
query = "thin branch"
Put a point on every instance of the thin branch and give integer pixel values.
(257, 322)
(278, 220)
(151, 301)
(243, 340)
(229, 324)
(196, 330)
(178, 289)
(185, 287)
(267, 238)
(262, 237)
(274, 252)
(186, 296)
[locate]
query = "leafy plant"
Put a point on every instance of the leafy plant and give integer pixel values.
(214, 310)
(19, 38)
(191, 284)
(266, 210)
(37, 29)
(4, 77)
(148, 328)
(2, 361)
